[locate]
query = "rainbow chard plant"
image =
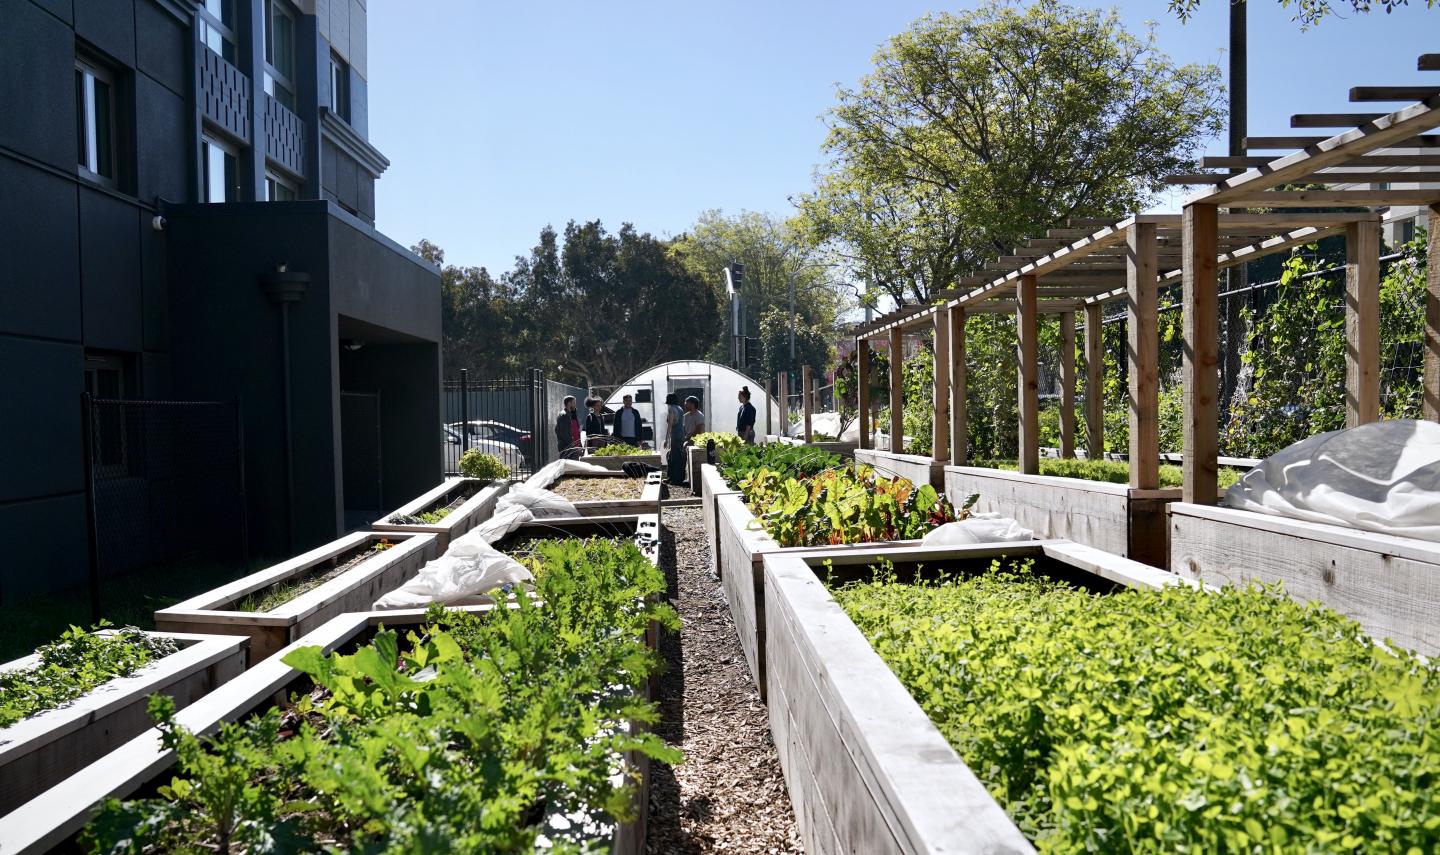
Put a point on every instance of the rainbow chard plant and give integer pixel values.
(845, 505)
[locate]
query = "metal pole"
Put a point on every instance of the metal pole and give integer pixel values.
(289, 437)
(92, 534)
(464, 410)
(1239, 81)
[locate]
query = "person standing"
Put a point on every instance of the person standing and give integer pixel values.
(567, 426)
(675, 439)
(629, 424)
(745, 419)
(694, 419)
(594, 422)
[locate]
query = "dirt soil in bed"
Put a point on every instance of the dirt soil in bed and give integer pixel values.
(729, 795)
(599, 488)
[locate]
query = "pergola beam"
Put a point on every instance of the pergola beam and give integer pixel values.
(1094, 383)
(1319, 198)
(1362, 323)
(1143, 351)
(862, 389)
(1431, 395)
(959, 427)
(1067, 384)
(1201, 355)
(1029, 381)
(940, 412)
(897, 391)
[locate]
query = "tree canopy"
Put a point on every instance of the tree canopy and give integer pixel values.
(1307, 12)
(976, 129)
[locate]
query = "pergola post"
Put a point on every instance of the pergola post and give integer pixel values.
(862, 389)
(940, 426)
(897, 391)
(1067, 384)
(783, 381)
(1028, 327)
(1431, 410)
(768, 406)
(808, 397)
(959, 430)
(1362, 323)
(1094, 382)
(1143, 334)
(1199, 237)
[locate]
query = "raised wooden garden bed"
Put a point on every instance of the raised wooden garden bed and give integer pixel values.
(866, 769)
(844, 449)
(1112, 517)
(457, 505)
(643, 529)
(743, 545)
(918, 469)
(54, 818)
(710, 488)
(231, 609)
(1390, 585)
(646, 493)
(39, 751)
(618, 461)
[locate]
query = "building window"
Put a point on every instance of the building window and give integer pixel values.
(278, 189)
(339, 86)
(217, 27)
(95, 121)
(221, 170)
(1407, 231)
(280, 54)
(106, 380)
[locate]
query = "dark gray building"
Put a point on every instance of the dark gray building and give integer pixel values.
(172, 172)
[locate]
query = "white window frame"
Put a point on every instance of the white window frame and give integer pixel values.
(275, 179)
(339, 86)
(274, 78)
(87, 126)
(211, 22)
(211, 140)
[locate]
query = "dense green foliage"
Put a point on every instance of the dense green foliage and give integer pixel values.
(486, 467)
(1169, 721)
(850, 504)
(620, 449)
(1111, 471)
(76, 662)
(274, 596)
(792, 461)
(469, 737)
(974, 129)
(724, 442)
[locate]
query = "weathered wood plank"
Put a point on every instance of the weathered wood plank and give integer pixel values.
(897, 390)
(1201, 355)
(940, 397)
(1362, 323)
(1029, 380)
(471, 513)
(1094, 381)
(959, 427)
(784, 381)
(807, 400)
(1067, 384)
(862, 390)
(1390, 585)
(1143, 333)
(917, 468)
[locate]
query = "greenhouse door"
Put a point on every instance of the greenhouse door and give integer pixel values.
(699, 386)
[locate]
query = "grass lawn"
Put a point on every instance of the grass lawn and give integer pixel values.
(129, 600)
(1113, 471)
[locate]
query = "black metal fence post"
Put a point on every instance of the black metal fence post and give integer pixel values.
(92, 537)
(464, 410)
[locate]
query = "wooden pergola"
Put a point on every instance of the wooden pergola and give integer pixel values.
(1080, 268)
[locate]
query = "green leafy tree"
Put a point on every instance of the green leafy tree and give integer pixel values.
(479, 317)
(976, 129)
(1307, 12)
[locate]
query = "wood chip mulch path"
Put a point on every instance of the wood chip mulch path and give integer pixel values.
(729, 795)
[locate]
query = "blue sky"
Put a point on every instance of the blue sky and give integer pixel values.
(501, 117)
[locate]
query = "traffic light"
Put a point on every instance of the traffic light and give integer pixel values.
(734, 276)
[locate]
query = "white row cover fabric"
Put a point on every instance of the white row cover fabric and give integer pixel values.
(472, 567)
(978, 528)
(552, 472)
(1383, 477)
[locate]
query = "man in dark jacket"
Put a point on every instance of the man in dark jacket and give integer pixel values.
(629, 424)
(567, 426)
(595, 435)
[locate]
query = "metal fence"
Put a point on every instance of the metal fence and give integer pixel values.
(165, 483)
(504, 417)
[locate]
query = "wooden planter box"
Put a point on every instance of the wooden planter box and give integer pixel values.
(474, 511)
(54, 817)
(648, 503)
(694, 461)
(919, 470)
(742, 549)
(866, 769)
(354, 591)
(38, 752)
(616, 462)
(644, 529)
(710, 488)
(1389, 584)
(1112, 517)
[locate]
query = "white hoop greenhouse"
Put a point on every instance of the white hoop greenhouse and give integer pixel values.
(717, 387)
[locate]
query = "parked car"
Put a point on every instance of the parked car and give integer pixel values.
(509, 454)
(488, 429)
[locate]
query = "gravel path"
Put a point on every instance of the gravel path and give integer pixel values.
(729, 794)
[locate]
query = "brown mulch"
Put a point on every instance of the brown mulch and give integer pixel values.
(599, 488)
(729, 795)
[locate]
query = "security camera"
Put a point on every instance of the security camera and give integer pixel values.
(157, 223)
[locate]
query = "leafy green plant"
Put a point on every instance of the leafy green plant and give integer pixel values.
(470, 736)
(1109, 471)
(723, 441)
(619, 449)
(486, 467)
(280, 593)
(75, 663)
(1168, 721)
(741, 462)
(846, 505)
